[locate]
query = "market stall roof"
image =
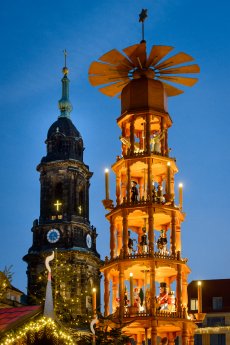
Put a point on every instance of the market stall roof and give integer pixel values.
(14, 317)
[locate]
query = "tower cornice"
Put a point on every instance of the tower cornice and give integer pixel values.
(71, 165)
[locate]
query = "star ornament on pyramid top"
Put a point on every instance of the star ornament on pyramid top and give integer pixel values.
(115, 69)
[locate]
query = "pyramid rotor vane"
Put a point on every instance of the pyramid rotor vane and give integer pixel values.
(114, 70)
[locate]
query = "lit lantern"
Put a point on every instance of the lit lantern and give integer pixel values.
(199, 290)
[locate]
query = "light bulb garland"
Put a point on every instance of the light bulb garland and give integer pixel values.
(66, 272)
(39, 328)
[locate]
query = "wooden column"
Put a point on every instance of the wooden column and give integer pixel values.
(168, 190)
(147, 134)
(132, 136)
(154, 333)
(152, 289)
(179, 288)
(128, 185)
(123, 147)
(106, 293)
(125, 232)
(114, 292)
(146, 183)
(185, 335)
(112, 238)
(166, 150)
(118, 189)
(123, 187)
(184, 290)
(173, 234)
(178, 238)
(121, 291)
(119, 238)
(139, 240)
(149, 190)
(163, 138)
(151, 230)
(146, 336)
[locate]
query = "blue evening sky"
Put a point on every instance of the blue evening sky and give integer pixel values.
(33, 36)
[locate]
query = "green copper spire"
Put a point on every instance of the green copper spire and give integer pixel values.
(64, 104)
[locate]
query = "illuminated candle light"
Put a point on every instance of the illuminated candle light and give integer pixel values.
(169, 179)
(181, 195)
(94, 302)
(131, 288)
(199, 290)
(107, 184)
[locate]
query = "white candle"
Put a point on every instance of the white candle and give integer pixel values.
(107, 184)
(131, 288)
(94, 302)
(181, 195)
(169, 179)
(199, 290)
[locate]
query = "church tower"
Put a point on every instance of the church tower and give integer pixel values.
(145, 270)
(64, 225)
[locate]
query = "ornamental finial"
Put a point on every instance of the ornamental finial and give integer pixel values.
(142, 16)
(64, 104)
(65, 69)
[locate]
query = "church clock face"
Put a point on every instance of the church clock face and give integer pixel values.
(53, 235)
(88, 241)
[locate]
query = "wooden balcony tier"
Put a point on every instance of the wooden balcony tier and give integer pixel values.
(148, 256)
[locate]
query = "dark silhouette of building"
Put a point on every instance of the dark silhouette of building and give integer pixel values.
(215, 297)
(64, 225)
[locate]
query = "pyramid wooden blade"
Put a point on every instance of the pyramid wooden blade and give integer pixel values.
(101, 68)
(183, 69)
(113, 89)
(175, 60)
(96, 80)
(157, 53)
(137, 54)
(171, 90)
(114, 57)
(180, 80)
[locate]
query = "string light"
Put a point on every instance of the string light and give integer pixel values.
(44, 325)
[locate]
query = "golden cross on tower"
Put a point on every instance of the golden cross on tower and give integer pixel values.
(57, 205)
